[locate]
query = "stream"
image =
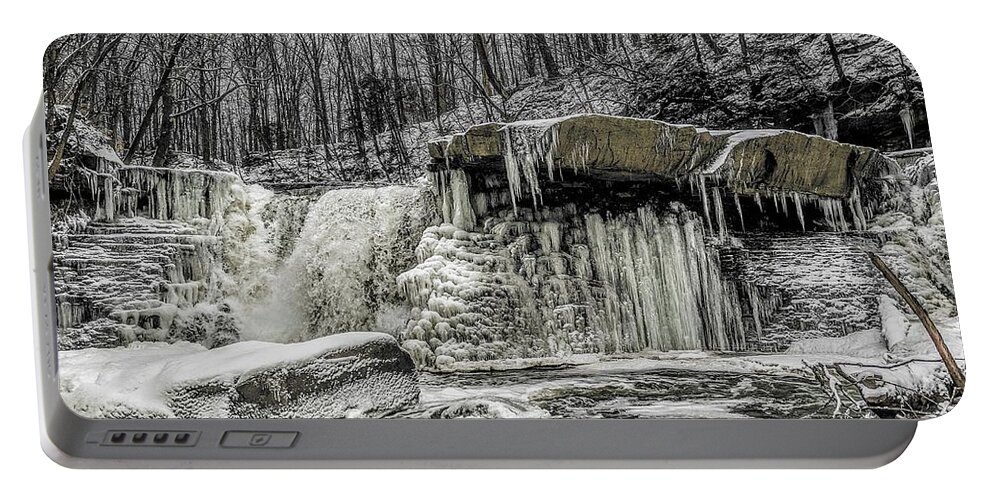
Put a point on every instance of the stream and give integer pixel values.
(601, 390)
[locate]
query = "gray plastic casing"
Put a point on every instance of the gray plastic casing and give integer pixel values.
(75, 441)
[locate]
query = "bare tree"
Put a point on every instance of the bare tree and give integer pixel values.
(102, 50)
(156, 96)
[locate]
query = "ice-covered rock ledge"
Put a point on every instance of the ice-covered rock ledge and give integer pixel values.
(343, 375)
(749, 161)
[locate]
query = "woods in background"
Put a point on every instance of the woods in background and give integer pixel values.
(226, 97)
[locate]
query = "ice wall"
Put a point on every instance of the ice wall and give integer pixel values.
(560, 279)
(160, 193)
(600, 234)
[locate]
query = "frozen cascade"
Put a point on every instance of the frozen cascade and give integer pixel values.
(662, 285)
(341, 274)
(152, 262)
(565, 283)
(161, 193)
(135, 279)
(451, 188)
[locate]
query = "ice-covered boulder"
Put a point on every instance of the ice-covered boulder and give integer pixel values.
(343, 375)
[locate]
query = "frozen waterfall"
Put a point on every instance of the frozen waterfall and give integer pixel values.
(340, 275)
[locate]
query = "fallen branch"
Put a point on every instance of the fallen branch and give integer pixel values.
(939, 343)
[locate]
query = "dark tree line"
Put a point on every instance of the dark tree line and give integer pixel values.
(222, 97)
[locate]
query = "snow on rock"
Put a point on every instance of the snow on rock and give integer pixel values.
(751, 160)
(863, 344)
(345, 375)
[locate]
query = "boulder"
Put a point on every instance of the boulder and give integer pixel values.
(343, 375)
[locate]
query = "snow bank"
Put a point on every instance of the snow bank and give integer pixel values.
(351, 374)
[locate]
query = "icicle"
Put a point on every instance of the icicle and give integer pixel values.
(834, 213)
(524, 164)
(741, 216)
(907, 118)
(858, 213)
(758, 201)
(706, 203)
(463, 216)
(799, 211)
(551, 148)
(722, 230)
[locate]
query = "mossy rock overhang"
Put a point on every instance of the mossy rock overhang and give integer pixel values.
(748, 161)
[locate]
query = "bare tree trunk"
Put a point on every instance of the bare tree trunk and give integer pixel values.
(164, 143)
(53, 167)
(541, 43)
(939, 343)
(203, 124)
(397, 86)
(529, 67)
(358, 127)
(835, 58)
(744, 54)
(484, 60)
(696, 50)
(163, 82)
(712, 44)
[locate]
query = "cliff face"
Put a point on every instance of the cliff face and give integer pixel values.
(749, 160)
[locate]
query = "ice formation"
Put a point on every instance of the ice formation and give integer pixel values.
(572, 273)
(821, 179)
(149, 262)
(159, 193)
(556, 282)
(530, 243)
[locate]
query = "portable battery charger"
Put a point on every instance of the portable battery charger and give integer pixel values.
(486, 250)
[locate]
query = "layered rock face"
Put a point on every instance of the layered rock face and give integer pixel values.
(605, 234)
(346, 375)
(135, 267)
(749, 161)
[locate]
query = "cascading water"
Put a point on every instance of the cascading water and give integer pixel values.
(340, 274)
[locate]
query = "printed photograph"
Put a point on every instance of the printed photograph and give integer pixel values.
(498, 225)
